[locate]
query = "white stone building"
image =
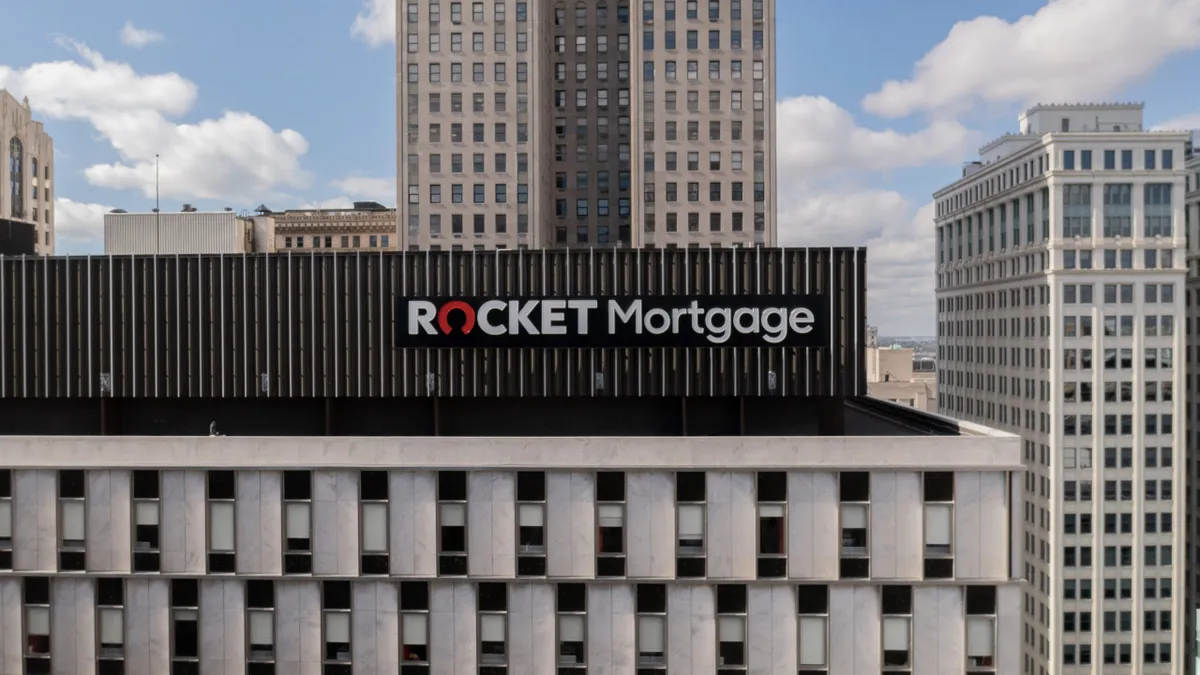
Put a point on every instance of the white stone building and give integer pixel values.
(1060, 279)
(833, 555)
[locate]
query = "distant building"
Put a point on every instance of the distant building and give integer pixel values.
(186, 232)
(26, 202)
(893, 374)
(366, 227)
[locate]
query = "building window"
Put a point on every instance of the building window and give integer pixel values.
(414, 627)
(297, 515)
(731, 627)
(335, 607)
(1158, 210)
(221, 514)
(72, 511)
(493, 628)
(772, 524)
(452, 525)
(897, 628)
(812, 628)
(610, 524)
(939, 524)
(260, 627)
(373, 493)
(6, 522)
(110, 625)
(531, 530)
(185, 627)
(651, 606)
(981, 627)
(16, 177)
(37, 624)
(855, 492)
(572, 626)
(146, 493)
(690, 497)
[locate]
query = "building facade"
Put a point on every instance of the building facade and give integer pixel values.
(893, 374)
(188, 232)
(26, 180)
(518, 127)
(190, 555)
(236, 464)
(1061, 266)
(369, 226)
(1192, 365)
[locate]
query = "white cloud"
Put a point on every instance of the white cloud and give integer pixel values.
(1069, 50)
(817, 137)
(132, 36)
(78, 226)
(375, 24)
(378, 189)
(236, 156)
(1182, 123)
(900, 248)
(334, 203)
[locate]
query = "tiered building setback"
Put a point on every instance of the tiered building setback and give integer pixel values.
(554, 123)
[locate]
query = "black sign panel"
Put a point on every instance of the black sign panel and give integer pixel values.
(625, 321)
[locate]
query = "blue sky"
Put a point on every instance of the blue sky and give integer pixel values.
(856, 168)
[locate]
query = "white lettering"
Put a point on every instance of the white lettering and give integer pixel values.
(741, 326)
(658, 321)
(485, 323)
(518, 317)
(634, 313)
(582, 307)
(553, 316)
(421, 314)
(695, 312)
(717, 322)
(774, 324)
(801, 320)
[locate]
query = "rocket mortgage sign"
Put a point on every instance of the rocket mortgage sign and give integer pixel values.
(626, 321)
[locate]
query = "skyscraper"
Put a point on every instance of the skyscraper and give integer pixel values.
(551, 123)
(1060, 299)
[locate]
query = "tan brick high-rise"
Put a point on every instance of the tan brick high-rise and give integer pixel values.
(520, 123)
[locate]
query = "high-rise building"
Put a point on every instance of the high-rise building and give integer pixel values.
(553, 123)
(1192, 366)
(26, 181)
(273, 464)
(1060, 279)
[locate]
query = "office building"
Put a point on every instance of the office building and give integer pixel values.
(26, 181)
(1192, 365)
(1060, 280)
(290, 473)
(895, 375)
(367, 226)
(187, 232)
(549, 124)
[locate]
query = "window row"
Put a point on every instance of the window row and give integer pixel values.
(691, 40)
(1115, 490)
(692, 10)
(1114, 523)
(1152, 458)
(1153, 423)
(499, 11)
(345, 241)
(1117, 556)
(716, 222)
(1119, 392)
(1117, 589)
(1151, 160)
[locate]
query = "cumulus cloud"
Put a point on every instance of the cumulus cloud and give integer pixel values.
(132, 36)
(375, 24)
(78, 226)
(378, 189)
(1069, 50)
(236, 156)
(816, 136)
